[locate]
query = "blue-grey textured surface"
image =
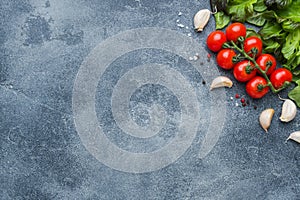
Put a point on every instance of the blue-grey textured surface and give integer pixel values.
(43, 43)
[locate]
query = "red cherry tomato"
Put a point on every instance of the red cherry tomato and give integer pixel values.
(266, 61)
(225, 58)
(244, 71)
(215, 40)
(253, 44)
(279, 76)
(235, 30)
(256, 87)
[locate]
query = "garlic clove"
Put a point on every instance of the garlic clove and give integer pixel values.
(265, 118)
(294, 136)
(289, 111)
(221, 81)
(201, 19)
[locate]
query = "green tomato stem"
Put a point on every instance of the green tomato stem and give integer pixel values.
(263, 72)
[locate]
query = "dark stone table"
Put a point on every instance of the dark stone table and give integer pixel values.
(101, 99)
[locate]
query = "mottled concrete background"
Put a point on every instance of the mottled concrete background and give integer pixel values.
(42, 46)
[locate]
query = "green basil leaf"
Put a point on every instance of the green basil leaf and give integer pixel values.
(271, 46)
(295, 62)
(251, 32)
(270, 15)
(256, 19)
(295, 93)
(222, 20)
(292, 44)
(240, 9)
(290, 26)
(259, 6)
(271, 29)
(291, 12)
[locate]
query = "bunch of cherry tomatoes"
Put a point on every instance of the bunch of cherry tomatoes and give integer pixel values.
(244, 55)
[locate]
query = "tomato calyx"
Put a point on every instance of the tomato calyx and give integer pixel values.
(260, 87)
(254, 51)
(249, 68)
(269, 64)
(237, 58)
(241, 39)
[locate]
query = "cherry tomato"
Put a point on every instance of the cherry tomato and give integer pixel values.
(235, 30)
(256, 87)
(253, 44)
(279, 76)
(266, 61)
(244, 71)
(225, 58)
(215, 40)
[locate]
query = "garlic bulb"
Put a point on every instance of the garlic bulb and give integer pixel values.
(201, 19)
(265, 118)
(295, 136)
(221, 81)
(289, 110)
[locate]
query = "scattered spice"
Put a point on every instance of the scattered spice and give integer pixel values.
(180, 25)
(203, 82)
(194, 58)
(243, 100)
(208, 57)
(237, 96)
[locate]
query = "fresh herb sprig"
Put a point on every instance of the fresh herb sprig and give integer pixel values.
(279, 22)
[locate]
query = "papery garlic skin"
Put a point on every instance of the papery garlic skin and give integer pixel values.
(289, 111)
(221, 81)
(201, 19)
(295, 136)
(265, 118)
